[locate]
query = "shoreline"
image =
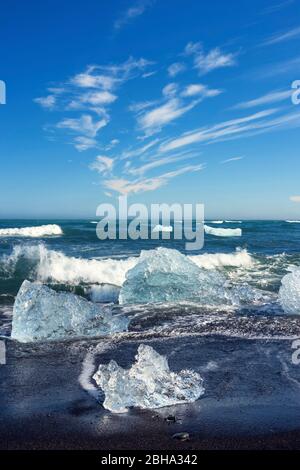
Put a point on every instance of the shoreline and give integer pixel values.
(250, 401)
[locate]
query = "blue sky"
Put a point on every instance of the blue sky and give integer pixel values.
(162, 100)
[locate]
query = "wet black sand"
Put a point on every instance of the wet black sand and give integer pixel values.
(252, 398)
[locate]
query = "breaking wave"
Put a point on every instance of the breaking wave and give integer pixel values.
(34, 232)
(55, 267)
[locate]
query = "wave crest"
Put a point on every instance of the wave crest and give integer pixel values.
(32, 232)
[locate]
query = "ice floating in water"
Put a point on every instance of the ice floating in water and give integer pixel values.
(163, 228)
(41, 313)
(165, 275)
(289, 293)
(223, 232)
(293, 221)
(35, 232)
(216, 221)
(233, 221)
(149, 383)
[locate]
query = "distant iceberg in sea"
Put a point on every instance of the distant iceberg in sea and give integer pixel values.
(35, 232)
(40, 313)
(149, 383)
(233, 221)
(223, 232)
(289, 293)
(293, 221)
(162, 228)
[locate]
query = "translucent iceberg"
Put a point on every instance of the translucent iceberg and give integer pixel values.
(40, 313)
(289, 293)
(223, 232)
(149, 383)
(165, 275)
(163, 228)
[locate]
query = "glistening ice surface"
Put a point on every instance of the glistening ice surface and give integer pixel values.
(41, 313)
(289, 293)
(149, 383)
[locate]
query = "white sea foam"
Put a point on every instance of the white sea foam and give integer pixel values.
(163, 228)
(35, 232)
(54, 266)
(84, 379)
(223, 232)
(293, 221)
(240, 258)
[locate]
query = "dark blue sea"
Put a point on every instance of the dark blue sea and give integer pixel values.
(230, 312)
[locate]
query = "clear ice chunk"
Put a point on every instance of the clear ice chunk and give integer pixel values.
(165, 275)
(40, 313)
(149, 383)
(289, 292)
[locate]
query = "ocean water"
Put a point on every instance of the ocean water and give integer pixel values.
(77, 261)
(216, 312)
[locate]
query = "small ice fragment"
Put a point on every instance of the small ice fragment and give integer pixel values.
(289, 293)
(163, 228)
(149, 383)
(40, 313)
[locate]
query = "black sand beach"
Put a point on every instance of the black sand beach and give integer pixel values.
(251, 402)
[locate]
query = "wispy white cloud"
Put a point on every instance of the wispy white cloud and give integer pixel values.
(170, 90)
(153, 120)
(176, 68)
(276, 7)
(272, 97)
(47, 102)
(173, 105)
(82, 143)
(214, 59)
(133, 12)
(112, 144)
(124, 186)
(218, 131)
(98, 98)
(282, 37)
(91, 93)
(233, 159)
(84, 125)
(141, 170)
(149, 74)
(102, 164)
(295, 198)
(198, 89)
(278, 68)
(137, 152)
